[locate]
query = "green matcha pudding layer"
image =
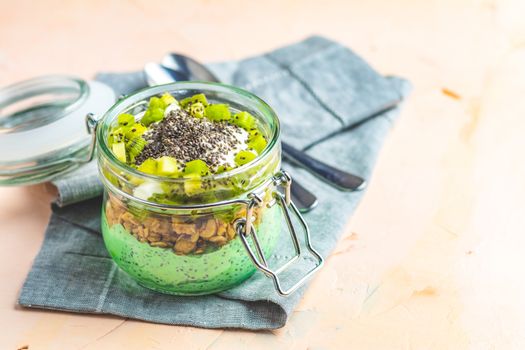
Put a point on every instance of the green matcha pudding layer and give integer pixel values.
(194, 274)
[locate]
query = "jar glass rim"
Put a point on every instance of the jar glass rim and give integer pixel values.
(262, 108)
(36, 92)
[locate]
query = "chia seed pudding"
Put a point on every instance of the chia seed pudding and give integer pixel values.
(182, 153)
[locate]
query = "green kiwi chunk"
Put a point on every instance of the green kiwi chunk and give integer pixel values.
(257, 143)
(134, 147)
(253, 133)
(149, 166)
(135, 130)
(168, 99)
(156, 102)
(217, 112)
(245, 120)
(222, 168)
(116, 135)
(194, 99)
(244, 157)
(119, 150)
(126, 119)
(167, 166)
(197, 110)
(152, 115)
(196, 166)
(192, 184)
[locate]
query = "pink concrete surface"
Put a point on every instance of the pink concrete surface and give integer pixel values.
(432, 259)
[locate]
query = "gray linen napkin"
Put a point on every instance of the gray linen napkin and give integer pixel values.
(318, 88)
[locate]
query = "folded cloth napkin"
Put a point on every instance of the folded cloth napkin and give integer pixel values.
(321, 91)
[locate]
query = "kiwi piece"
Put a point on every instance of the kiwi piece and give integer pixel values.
(217, 112)
(126, 119)
(119, 150)
(197, 110)
(253, 133)
(111, 177)
(257, 143)
(156, 102)
(152, 115)
(116, 135)
(167, 166)
(135, 130)
(168, 99)
(222, 169)
(194, 99)
(244, 120)
(244, 157)
(146, 118)
(149, 166)
(135, 180)
(193, 184)
(162, 199)
(196, 166)
(135, 146)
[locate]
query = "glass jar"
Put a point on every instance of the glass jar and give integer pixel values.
(189, 236)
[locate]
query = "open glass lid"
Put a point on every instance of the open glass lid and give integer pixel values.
(43, 129)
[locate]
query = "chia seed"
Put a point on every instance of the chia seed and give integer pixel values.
(186, 138)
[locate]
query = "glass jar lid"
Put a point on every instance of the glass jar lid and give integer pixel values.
(42, 126)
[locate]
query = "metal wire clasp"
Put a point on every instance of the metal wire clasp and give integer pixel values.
(91, 126)
(245, 230)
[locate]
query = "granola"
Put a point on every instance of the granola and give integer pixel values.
(183, 234)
